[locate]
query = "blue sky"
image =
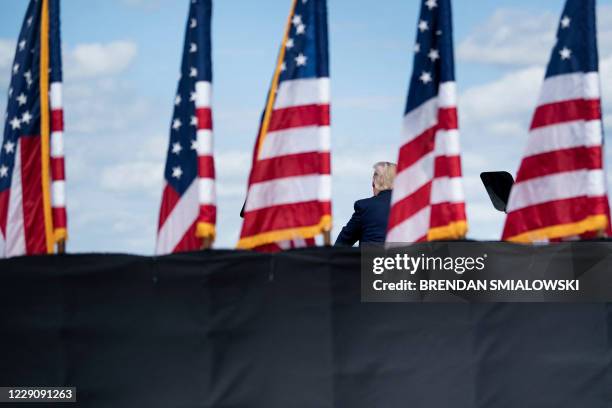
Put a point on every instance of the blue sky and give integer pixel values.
(121, 62)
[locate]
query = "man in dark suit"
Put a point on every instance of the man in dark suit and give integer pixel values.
(369, 221)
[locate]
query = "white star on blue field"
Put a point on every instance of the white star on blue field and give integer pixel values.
(121, 66)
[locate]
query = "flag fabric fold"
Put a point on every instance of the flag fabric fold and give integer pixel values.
(428, 201)
(560, 189)
(188, 208)
(289, 189)
(32, 177)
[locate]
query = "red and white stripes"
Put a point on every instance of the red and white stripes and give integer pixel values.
(21, 219)
(58, 175)
(290, 183)
(12, 219)
(186, 218)
(428, 200)
(206, 167)
(178, 220)
(188, 211)
(560, 187)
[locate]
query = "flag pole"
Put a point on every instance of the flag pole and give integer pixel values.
(308, 231)
(272, 97)
(273, 88)
(327, 237)
(207, 242)
(44, 123)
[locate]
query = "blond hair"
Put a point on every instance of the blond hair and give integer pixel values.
(384, 174)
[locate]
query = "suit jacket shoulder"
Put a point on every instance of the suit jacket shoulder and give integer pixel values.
(369, 221)
(362, 204)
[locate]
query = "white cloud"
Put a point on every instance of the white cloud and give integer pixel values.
(99, 59)
(234, 163)
(357, 163)
(604, 30)
(605, 73)
(503, 108)
(481, 213)
(133, 176)
(516, 37)
(84, 60)
(232, 172)
(94, 110)
(512, 95)
(474, 161)
(510, 37)
(7, 52)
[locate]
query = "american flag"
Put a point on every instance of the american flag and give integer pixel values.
(560, 188)
(188, 211)
(427, 201)
(289, 192)
(32, 186)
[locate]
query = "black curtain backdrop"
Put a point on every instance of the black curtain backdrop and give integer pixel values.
(240, 329)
